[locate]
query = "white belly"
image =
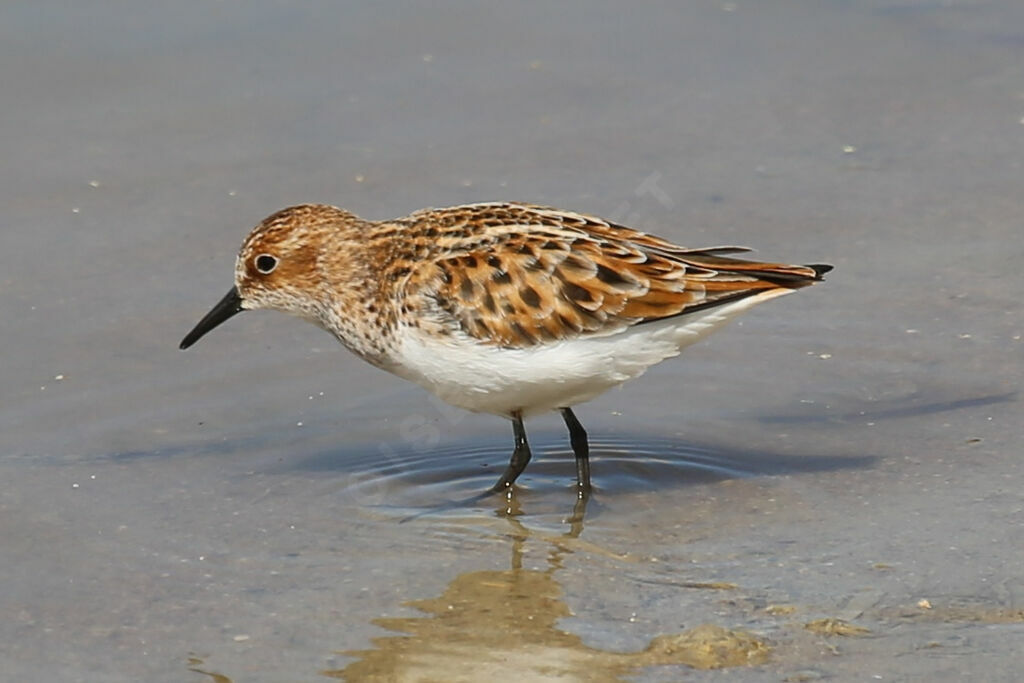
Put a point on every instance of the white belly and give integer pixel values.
(490, 379)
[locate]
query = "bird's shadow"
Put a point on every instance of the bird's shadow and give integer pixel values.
(623, 462)
(461, 471)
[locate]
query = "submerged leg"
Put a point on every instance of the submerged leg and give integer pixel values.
(578, 439)
(520, 456)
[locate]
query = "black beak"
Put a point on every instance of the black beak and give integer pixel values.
(225, 308)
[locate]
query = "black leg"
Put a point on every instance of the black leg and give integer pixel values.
(520, 456)
(578, 439)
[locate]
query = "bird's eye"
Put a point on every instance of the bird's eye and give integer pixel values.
(265, 263)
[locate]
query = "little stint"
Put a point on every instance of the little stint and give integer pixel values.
(504, 308)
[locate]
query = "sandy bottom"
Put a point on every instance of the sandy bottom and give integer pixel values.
(829, 489)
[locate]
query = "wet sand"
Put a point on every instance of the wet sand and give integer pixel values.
(829, 489)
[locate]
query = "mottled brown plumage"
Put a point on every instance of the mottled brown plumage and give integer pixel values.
(518, 275)
(514, 275)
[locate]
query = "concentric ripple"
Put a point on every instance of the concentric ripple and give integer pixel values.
(409, 480)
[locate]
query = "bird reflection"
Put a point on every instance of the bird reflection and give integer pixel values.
(488, 625)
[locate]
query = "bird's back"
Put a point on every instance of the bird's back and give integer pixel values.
(518, 275)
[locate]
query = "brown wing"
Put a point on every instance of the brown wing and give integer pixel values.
(517, 275)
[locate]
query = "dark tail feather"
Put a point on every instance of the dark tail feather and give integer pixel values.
(819, 269)
(791, 276)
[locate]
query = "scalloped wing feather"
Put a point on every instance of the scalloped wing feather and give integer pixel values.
(519, 275)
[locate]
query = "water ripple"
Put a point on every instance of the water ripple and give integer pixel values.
(409, 479)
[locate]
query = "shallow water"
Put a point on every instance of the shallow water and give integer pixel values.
(266, 507)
